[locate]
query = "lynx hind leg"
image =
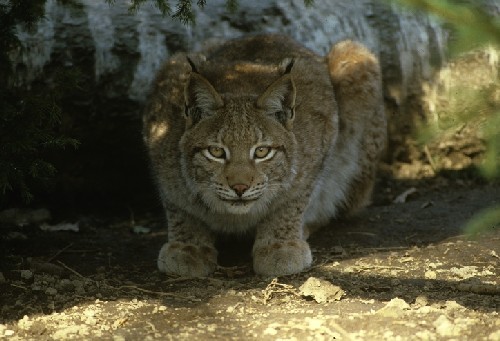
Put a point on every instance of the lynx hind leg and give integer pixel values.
(357, 81)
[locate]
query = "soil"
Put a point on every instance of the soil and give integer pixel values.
(396, 271)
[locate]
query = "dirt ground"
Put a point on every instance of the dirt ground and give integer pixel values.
(397, 271)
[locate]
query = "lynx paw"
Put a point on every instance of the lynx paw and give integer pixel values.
(187, 259)
(281, 258)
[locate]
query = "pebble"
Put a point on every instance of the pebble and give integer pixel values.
(429, 274)
(394, 308)
(25, 323)
(421, 301)
(51, 291)
(270, 331)
(26, 274)
(444, 327)
(322, 291)
(495, 336)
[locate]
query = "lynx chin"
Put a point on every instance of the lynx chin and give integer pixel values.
(260, 135)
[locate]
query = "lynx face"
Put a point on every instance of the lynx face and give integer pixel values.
(238, 154)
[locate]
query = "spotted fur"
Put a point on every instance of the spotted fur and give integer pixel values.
(262, 136)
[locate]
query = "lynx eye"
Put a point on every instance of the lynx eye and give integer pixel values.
(217, 152)
(261, 152)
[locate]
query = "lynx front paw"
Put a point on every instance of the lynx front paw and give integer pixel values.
(281, 258)
(187, 259)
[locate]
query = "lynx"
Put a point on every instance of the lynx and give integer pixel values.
(260, 135)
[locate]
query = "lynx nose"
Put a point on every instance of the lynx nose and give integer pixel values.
(239, 189)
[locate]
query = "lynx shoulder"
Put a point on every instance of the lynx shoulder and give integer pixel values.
(261, 135)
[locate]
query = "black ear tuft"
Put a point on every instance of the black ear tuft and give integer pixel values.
(289, 66)
(193, 67)
(279, 99)
(200, 98)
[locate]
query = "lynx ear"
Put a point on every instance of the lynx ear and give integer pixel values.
(279, 98)
(200, 97)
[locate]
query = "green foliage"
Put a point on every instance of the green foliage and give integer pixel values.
(13, 13)
(488, 219)
(491, 165)
(232, 5)
(472, 27)
(29, 118)
(183, 8)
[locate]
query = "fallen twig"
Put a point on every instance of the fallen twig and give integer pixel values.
(159, 293)
(275, 287)
(59, 252)
(429, 157)
(70, 269)
(18, 286)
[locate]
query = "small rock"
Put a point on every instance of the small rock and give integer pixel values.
(427, 310)
(2, 278)
(434, 265)
(51, 291)
(495, 336)
(141, 229)
(429, 274)
(421, 301)
(26, 274)
(394, 308)
(65, 285)
(24, 323)
(89, 312)
(453, 305)
(322, 291)
(445, 327)
(270, 331)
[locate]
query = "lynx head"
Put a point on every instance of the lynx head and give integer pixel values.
(238, 150)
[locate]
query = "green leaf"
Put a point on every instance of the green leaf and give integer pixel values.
(232, 5)
(486, 220)
(164, 7)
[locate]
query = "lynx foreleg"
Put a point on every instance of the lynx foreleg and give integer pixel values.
(190, 248)
(280, 247)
